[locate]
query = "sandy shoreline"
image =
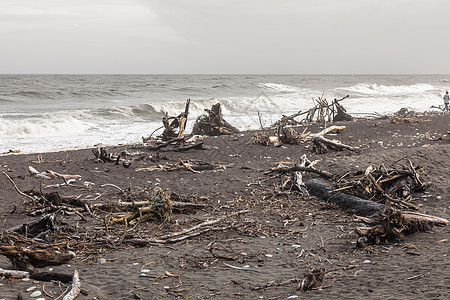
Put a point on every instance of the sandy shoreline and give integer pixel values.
(263, 245)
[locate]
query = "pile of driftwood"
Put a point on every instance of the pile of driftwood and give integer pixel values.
(407, 116)
(321, 112)
(396, 185)
(380, 197)
(211, 123)
(289, 135)
(324, 111)
(51, 240)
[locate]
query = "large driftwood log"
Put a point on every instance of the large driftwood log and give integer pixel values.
(213, 123)
(26, 259)
(394, 222)
(349, 202)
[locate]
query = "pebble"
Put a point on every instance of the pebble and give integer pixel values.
(31, 288)
(366, 261)
(135, 264)
(293, 297)
(35, 294)
(25, 279)
(72, 253)
(101, 260)
(50, 269)
(439, 197)
(295, 246)
(269, 255)
(145, 271)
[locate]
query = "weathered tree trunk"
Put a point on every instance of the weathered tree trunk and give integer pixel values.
(349, 202)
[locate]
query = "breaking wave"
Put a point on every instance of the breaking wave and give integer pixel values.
(278, 87)
(40, 126)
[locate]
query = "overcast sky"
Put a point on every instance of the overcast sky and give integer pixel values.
(225, 36)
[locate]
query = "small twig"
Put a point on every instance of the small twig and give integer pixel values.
(241, 268)
(47, 293)
(187, 166)
(113, 185)
(414, 277)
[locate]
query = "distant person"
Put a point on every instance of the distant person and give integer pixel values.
(446, 101)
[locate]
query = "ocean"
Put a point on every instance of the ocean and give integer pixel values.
(52, 112)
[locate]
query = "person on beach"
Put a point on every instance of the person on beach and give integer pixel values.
(446, 101)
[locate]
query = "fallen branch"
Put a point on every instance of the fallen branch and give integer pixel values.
(321, 145)
(185, 233)
(324, 174)
(17, 189)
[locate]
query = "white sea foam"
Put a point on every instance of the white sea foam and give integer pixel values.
(376, 89)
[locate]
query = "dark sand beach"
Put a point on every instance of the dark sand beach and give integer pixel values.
(262, 253)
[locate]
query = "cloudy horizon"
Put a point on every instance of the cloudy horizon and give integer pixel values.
(224, 37)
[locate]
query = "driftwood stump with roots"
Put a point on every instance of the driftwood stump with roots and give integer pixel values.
(213, 123)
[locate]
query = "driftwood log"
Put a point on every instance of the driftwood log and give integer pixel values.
(76, 287)
(284, 169)
(35, 227)
(213, 123)
(349, 202)
(13, 273)
(27, 259)
(321, 145)
(391, 224)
